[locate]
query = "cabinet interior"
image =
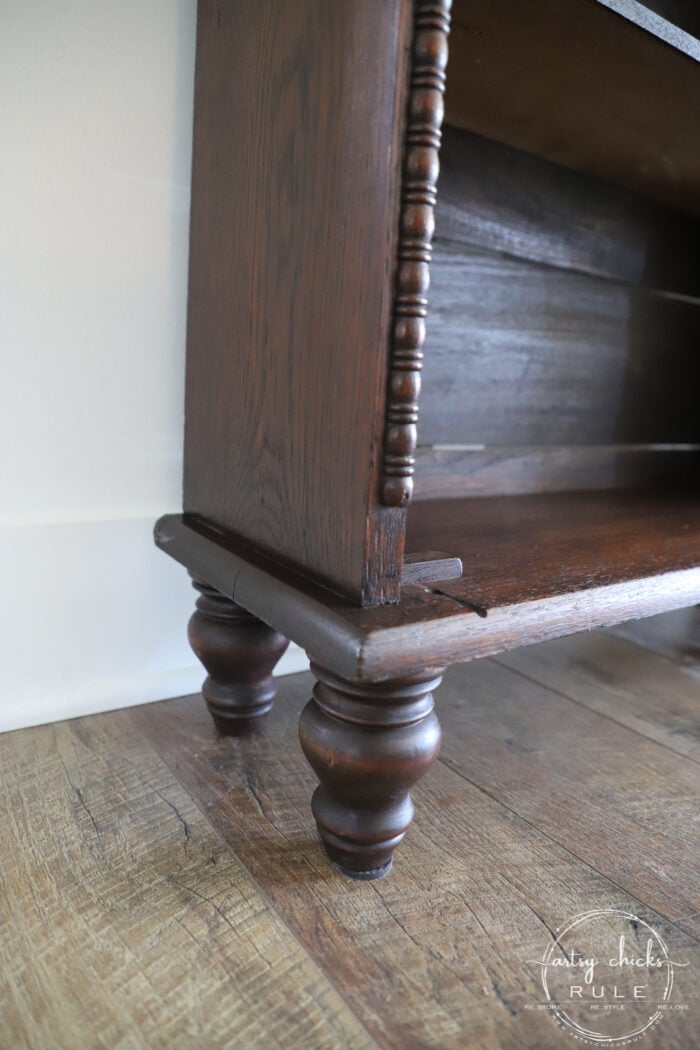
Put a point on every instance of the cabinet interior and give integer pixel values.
(559, 420)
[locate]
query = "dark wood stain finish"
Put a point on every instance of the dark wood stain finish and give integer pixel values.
(564, 541)
(367, 745)
(523, 354)
(559, 342)
(420, 170)
(577, 84)
(562, 354)
(496, 197)
(239, 652)
(534, 567)
(511, 470)
(295, 189)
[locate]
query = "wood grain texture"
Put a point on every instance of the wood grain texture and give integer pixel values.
(675, 635)
(497, 470)
(579, 85)
(162, 884)
(126, 920)
(535, 567)
(520, 545)
(523, 354)
(546, 758)
(429, 566)
(435, 955)
(299, 112)
(503, 199)
(628, 684)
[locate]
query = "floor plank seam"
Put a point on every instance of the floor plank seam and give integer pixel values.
(687, 665)
(574, 855)
(313, 961)
(592, 710)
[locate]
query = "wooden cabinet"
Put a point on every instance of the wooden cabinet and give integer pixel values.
(553, 469)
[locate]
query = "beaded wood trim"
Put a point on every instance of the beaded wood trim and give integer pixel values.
(420, 171)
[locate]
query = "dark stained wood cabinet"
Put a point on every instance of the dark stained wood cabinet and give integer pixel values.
(553, 469)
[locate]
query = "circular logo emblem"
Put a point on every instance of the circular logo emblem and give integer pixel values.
(608, 976)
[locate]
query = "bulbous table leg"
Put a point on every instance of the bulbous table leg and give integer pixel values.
(239, 653)
(368, 745)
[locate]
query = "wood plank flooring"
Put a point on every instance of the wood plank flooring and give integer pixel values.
(162, 885)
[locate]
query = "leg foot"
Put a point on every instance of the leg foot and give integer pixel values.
(368, 744)
(239, 653)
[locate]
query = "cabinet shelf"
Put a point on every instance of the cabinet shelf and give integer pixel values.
(603, 87)
(519, 549)
(536, 567)
(540, 566)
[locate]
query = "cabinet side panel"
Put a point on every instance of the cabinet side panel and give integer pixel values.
(299, 109)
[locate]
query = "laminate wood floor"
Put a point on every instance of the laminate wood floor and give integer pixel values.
(162, 885)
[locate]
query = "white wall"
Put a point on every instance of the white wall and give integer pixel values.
(95, 112)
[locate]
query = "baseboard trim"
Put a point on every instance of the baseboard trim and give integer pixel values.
(114, 693)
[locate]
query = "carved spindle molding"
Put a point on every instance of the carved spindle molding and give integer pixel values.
(420, 172)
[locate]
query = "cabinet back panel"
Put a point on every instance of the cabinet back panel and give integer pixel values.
(493, 196)
(446, 473)
(563, 350)
(521, 354)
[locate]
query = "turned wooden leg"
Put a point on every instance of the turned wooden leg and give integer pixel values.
(368, 744)
(239, 653)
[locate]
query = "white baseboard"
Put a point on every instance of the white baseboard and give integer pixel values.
(115, 693)
(94, 618)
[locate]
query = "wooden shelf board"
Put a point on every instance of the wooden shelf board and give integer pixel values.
(517, 549)
(582, 85)
(535, 567)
